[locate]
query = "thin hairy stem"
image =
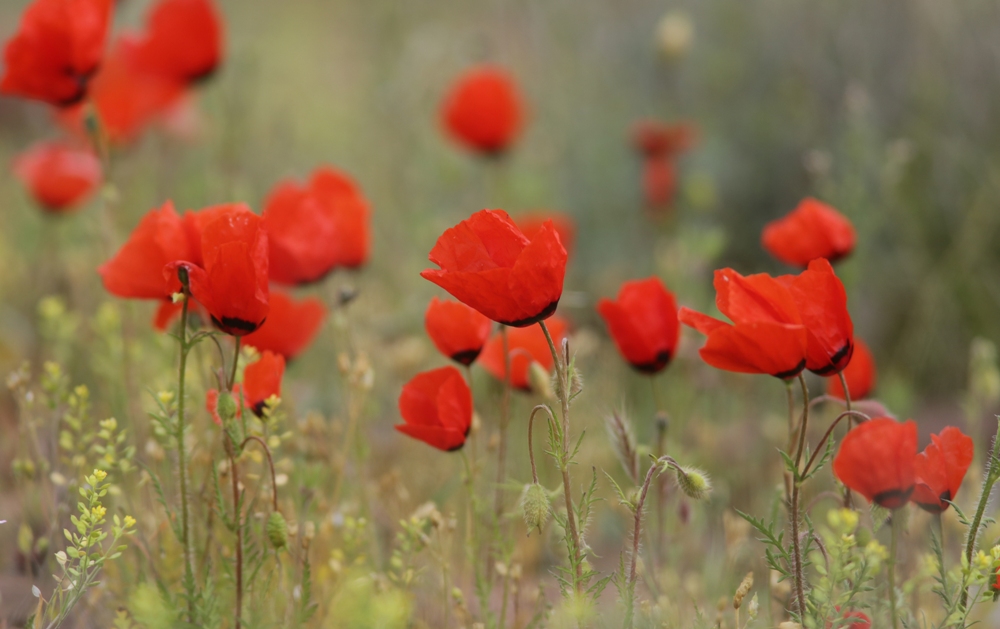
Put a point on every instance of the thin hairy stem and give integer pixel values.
(893, 612)
(860, 417)
(270, 462)
(847, 401)
(237, 513)
(182, 471)
(992, 474)
(531, 450)
(236, 361)
(800, 595)
(504, 420)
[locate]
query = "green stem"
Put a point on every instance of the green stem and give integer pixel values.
(894, 614)
(504, 420)
(182, 471)
(992, 474)
(236, 361)
(848, 502)
(799, 575)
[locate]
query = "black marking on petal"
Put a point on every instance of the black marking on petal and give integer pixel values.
(834, 365)
(791, 373)
(236, 326)
(466, 357)
(656, 365)
(893, 498)
(544, 314)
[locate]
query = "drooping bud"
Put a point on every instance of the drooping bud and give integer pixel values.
(277, 530)
(535, 506)
(694, 483)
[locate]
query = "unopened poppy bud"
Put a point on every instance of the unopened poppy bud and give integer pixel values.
(226, 407)
(277, 530)
(540, 381)
(694, 483)
(535, 506)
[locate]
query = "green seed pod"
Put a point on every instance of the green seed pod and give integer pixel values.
(694, 483)
(226, 407)
(277, 530)
(535, 506)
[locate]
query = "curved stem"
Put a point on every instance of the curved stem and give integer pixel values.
(804, 424)
(861, 417)
(270, 462)
(531, 451)
(182, 466)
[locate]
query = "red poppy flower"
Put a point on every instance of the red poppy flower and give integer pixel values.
(458, 331)
(261, 380)
(812, 230)
(531, 223)
(643, 323)
(488, 264)
(861, 620)
(655, 139)
(126, 98)
(212, 403)
(876, 459)
(232, 281)
(56, 50)
(941, 468)
(136, 271)
(659, 182)
(767, 335)
(436, 407)
(859, 373)
(290, 325)
(316, 227)
(483, 110)
(525, 346)
(58, 176)
(822, 303)
(183, 40)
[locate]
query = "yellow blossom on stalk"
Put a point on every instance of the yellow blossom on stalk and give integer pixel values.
(165, 397)
(129, 521)
(876, 553)
(982, 561)
(843, 521)
(98, 512)
(100, 475)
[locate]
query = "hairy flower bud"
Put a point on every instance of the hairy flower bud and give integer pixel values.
(226, 407)
(535, 506)
(277, 530)
(694, 483)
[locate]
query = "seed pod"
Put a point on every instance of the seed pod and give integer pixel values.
(535, 506)
(277, 530)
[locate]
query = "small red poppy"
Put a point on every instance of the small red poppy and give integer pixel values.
(659, 182)
(531, 223)
(488, 264)
(183, 40)
(59, 176)
(458, 331)
(290, 325)
(643, 323)
(941, 468)
(767, 335)
(261, 380)
(812, 230)
(860, 620)
(525, 346)
(212, 403)
(656, 139)
(231, 282)
(822, 303)
(314, 228)
(877, 459)
(859, 373)
(56, 50)
(436, 407)
(483, 110)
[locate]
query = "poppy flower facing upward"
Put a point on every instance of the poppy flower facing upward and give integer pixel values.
(436, 407)
(525, 346)
(812, 230)
(531, 223)
(261, 380)
(859, 374)
(941, 468)
(56, 50)
(314, 228)
(483, 110)
(458, 331)
(231, 282)
(877, 459)
(488, 264)
(822, 304)
(643, 323)
(290, 326)
(58, 175)
(766, 336)
(183, 40)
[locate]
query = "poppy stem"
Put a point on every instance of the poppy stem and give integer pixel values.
(504, 420)
(992, 475)
(893, 613)
(531, 450)
(654, 470)
(182, 474)
(236, 361)
(847, 401)
(800, 597)
(860, 417)
(237, 513)
(270, 462)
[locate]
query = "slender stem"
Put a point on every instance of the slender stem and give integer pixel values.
(237, 512)
(860, 417)
(800, 597)
(270, 462)
(504, 420)
(636, 528)
(805, 420)
(531, 450)
(236, 361)
(473, 439)
(893, 613)
(661, 495)
(992, 474)
(182, 467)
(847, 400)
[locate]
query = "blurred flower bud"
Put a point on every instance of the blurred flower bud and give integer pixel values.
(743, 590)
(674, 34)
(540, 380)
(277, 530)
(226, 407)
(535, 506)
(694, 483)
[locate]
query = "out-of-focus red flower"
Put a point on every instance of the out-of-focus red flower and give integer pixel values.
(861, 620)
(877, 460)
(290, 325)
(261, 380)
(458, 331)
(643, 323)
(941, 468)
(531, 223)
(483, 110)
(183, 40)
(822, 303)
(125, 97)
(767, 335)
(859, 373)
(812, 230)
(659, 183)
(436, 407)
(231, 282)
(212, 403)
(59, 176)
(314, 228)
(56, 50)
(488, 264)
(136, 271)
(656, 139)
(525, 346)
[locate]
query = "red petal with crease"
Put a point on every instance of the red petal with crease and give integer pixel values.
(436, 407)
(941, 468)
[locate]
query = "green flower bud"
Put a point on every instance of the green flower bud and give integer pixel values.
(694, 483)
(226, 407)
(277, 530)
(535, 506)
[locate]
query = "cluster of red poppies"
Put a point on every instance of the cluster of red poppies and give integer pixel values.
(58, 56)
